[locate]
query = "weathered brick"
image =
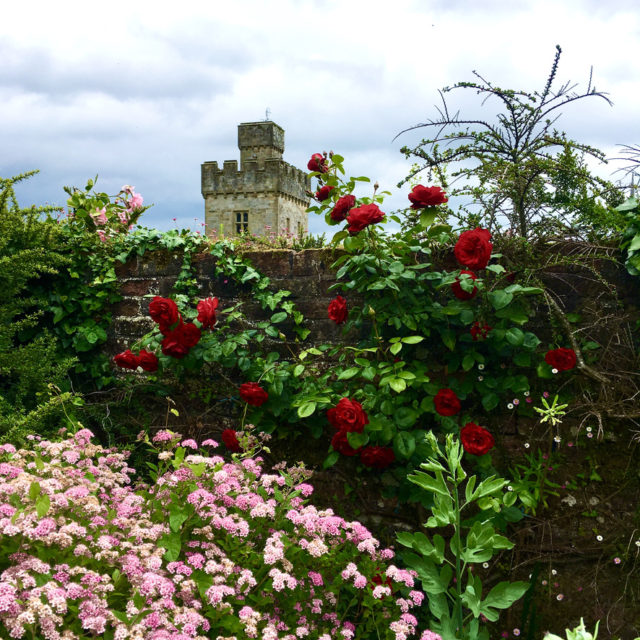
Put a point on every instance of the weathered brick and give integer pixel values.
(314, 262)
(129, 307)
(273, 263)
(128, 328)
(205, 265)
(136, 287)
(127, 269)
(157, 263)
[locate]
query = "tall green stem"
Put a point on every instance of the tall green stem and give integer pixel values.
(458, 607)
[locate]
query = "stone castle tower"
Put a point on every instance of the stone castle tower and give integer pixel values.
(266, 195)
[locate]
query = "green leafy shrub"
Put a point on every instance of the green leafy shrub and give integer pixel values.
(30, 360)
(454, 590)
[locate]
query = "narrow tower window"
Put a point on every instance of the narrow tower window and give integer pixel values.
(242, 223)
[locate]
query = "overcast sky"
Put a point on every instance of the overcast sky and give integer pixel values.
(142, 93)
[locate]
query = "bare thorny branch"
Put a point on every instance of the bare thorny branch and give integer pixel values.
(522, 138)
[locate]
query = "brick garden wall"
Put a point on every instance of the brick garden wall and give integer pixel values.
(306, 274)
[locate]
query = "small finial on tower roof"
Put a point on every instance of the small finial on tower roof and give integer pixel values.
(267, 113)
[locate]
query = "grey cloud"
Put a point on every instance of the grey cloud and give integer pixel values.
(175, 77)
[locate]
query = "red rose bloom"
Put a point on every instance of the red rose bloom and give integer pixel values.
(318, 163)
(253, 394)
(148, 360)
(338, 310)
(421, 197)
(446, 402)
(561, 359)
(164, 312)
(361, 217)
(340, 443)
(377, 457)
(173, 346)
(230, 439)
(475, 439)
(479, 332)
(127, 360)
(459, 292)
(348, 415)
(473, 249)
(324, 192)
(189, 334)
(379, 580)
(177, 343)
(207, 312)
(342, 208)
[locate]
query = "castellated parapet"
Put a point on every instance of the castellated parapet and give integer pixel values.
(265, 195)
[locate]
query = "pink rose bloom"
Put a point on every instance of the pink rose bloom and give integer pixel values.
(100, 216)
(136, 201)
(123, 216)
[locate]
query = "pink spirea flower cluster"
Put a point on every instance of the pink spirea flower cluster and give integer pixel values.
(212, 549)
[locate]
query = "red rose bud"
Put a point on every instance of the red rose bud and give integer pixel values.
(340, 443)
(479, 332)
(561, 359)
(421, 197)
(230, 439)
(164, 312)
(361, 217)
(253, 394)
(342, 208)
(148, 360)
(377, 457)
(318, 163)
(127, 360)
(459, 292)
(473, 249)
(337, 310)
(207, 312)
(446, 402)
(348, 415)
(324, 192)
(475, 439)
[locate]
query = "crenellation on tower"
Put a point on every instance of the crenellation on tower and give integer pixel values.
(264, 195)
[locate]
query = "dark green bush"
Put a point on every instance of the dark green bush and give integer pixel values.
(29, 357)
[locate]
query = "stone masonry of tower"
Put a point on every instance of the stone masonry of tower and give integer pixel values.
(266, 195)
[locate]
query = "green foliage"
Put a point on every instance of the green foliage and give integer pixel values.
(522, 170)
(455, 591)
(530, 481)
(237, 351)
(80, 297)
(630, 209)
(579, 633)
(95, 212)
(410, 338)
(30, 250)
